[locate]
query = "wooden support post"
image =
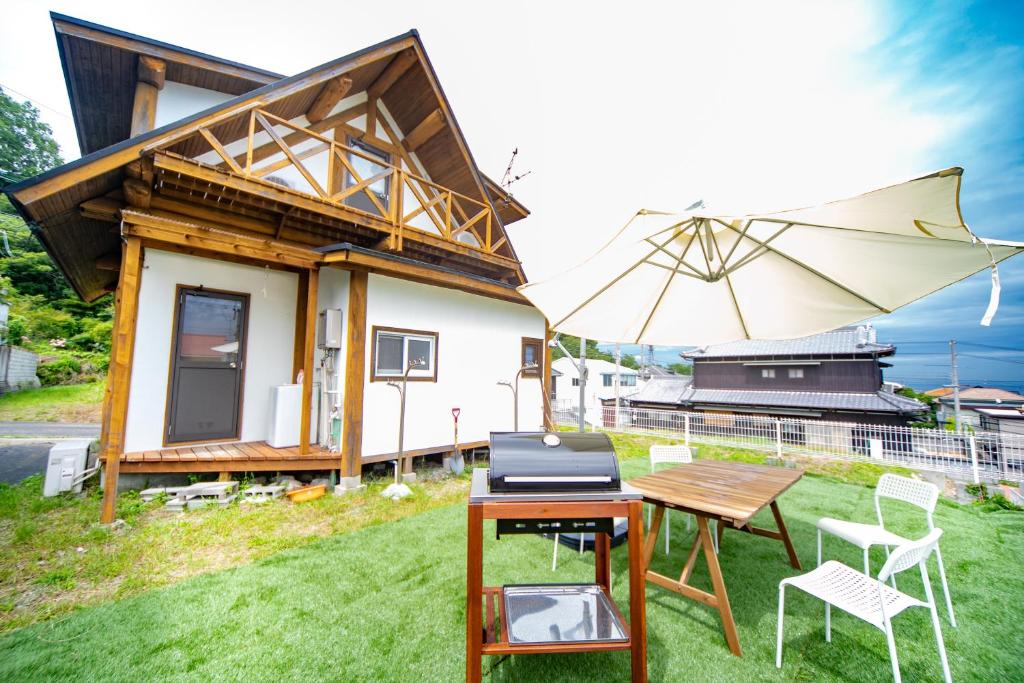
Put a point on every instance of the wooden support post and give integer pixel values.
(637, 592)
(355, 374)
(299, 345)
(309, 342)
(150, 82)
(120, 374)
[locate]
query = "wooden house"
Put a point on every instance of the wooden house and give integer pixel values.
(229, 209)
(835, 376)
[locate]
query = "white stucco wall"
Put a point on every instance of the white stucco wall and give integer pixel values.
(177, 100)
(479, 343)
(268, 340)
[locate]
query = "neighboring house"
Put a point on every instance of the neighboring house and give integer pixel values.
(973, 402)
(1006, 420)
(230, 209)
(600, 382)
(835, 376)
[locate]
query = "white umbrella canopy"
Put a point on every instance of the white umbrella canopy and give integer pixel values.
(707, 279)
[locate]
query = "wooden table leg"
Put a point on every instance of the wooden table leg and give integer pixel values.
(691, 560)
(793, 559)
(652, 535)
(718, 583)
(603, 561)
(638, 587)
(474, 592)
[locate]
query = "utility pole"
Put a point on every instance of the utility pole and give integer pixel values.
(955, 381)
(582, 369)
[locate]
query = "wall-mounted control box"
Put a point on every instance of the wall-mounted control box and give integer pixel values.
(328, 330)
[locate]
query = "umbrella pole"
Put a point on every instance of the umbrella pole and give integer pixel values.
(583, 384)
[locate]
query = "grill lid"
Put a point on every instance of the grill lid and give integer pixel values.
(550, 461)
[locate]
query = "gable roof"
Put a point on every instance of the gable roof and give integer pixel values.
(100, 72)
(595, 366)
(853, 340)
(984, 394)
(673, 392)
(50, 200)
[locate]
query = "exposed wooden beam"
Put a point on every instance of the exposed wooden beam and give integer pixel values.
(269, 149)
(122, 352)
(198, 236)
(150, 82)
(137, 192)
(152, 70)
(101, 209)
(355, 374)
(334, 91)
(309, 343)
(109, 261)
(432, 124)
(425, 274)
(392, 72)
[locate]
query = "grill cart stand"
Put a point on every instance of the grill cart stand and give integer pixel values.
(490, 635)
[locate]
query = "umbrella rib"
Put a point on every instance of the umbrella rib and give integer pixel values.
(612, 282)
(811, 270)
(701, 244)
(678, 259)
(732, 293)
(755, 253)
(865, 232)
(721, 269)
(654, 309)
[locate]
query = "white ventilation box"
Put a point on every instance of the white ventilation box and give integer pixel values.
(65, 463)
(285, 408)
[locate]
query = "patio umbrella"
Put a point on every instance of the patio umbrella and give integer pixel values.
(705, 279)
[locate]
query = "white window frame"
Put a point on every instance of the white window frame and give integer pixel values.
(795, 373)
(767, 373)
(427, 374)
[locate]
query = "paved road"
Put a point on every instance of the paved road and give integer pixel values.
(48, 430)
(20, 460)
(25, 450)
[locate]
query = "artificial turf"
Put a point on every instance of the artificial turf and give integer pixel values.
(386, 603)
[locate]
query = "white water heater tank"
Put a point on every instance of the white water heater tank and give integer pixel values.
(285, 408)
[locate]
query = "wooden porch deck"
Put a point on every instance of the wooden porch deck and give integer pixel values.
(256, 456)
(251, 456)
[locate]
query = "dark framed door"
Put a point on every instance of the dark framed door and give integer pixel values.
(207, 365)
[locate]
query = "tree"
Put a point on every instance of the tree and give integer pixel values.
(681, 368)
(572, 345)
(27, 147)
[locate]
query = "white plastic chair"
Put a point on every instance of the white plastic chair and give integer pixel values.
(920, 493)
(664, 454)
(869, 599)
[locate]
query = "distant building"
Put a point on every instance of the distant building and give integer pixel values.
(565, 382)
(834, 376)
(974, 401)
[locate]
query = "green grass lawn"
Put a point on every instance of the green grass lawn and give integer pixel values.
(386, 602)
(67, 403)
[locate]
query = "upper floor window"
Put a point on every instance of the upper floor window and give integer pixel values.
(796, 373)
(394, 350)
(608, 380)
(532, 354)
(768, 373)
(628, 380)
(368, 161)
(575, 381)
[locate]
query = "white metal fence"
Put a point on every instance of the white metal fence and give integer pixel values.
(969, 455)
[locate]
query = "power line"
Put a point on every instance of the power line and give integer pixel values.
(1001, 360)
(30, 99)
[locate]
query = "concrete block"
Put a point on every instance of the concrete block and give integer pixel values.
(349, 485)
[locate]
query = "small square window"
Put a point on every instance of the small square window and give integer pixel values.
(628, 380)
(768, 373)
(608, 380)
(394, 350)
(575, 381)
(532, 354)
(796, 373)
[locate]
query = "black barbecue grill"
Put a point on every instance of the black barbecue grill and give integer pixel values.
(523, 462)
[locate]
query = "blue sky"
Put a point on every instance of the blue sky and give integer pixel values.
(751, 106)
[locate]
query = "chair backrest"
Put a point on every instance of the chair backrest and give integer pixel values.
(909, 555)
(675, 454)
(923, 494)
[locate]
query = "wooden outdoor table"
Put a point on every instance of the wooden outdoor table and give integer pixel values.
(730, 492)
